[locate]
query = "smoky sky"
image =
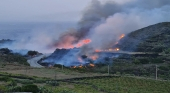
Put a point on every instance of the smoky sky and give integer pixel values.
(42, 10)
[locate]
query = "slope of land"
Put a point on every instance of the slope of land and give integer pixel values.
(154, 38)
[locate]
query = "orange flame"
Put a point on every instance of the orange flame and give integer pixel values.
(94, 57)
(97, 50)
(77, 45)
(82, 43)
(80, 66)
(92, 65)
(117, 49)
(122, 36)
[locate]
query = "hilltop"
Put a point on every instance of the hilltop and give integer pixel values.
(154, 38)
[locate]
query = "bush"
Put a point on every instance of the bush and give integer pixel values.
(136, 61)
(144, 61)
(66, 91)
(157, 60)
(30, 88)
(167, 51)
(3, 88)
(45, 90)
(11, 83)
(32, 53)
(26, 82)
(5, 50)
(39, 81)
(5, 78)
(58, 65)
(52, 83)
(15, 89)
(165, 68)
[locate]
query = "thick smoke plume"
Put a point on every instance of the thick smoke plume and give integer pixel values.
(104, 22)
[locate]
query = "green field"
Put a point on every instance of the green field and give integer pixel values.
(103, 84)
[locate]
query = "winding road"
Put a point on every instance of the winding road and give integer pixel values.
(33, 61)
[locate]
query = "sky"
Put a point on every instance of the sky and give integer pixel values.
(43, 10)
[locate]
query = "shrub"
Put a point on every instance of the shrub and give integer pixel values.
(30, 88)
(11, 83)
(26, 82)
(136, 61)
(66, 91)
(39, 81)
(165, 68)
(3, 88)
(32, 53)
(58, 65)
(5, 78)
(5, 50)
(45, 90)
(15, 89)
(157, 60)
(144, 61)
(52, 83)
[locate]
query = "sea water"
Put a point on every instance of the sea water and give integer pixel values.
(16, 31)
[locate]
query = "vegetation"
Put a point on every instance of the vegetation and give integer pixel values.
(13, 58)
(32, 53)
(5, 51)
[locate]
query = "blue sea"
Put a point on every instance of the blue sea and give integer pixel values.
(14, 31)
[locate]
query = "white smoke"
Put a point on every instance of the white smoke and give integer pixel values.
(36, 38)
(134, 15)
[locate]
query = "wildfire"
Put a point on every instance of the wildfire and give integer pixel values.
(97, 50)
(94, 57)
(117, 49)
(82, 43)
(91, 65)
(74, 66)
(122, 36)
(80, 66)
(77, 45)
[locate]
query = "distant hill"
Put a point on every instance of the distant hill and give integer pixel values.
(154, 38)
(5, 41)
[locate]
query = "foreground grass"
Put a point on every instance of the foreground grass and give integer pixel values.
(112, 84)
(23, 76)
(130, 85)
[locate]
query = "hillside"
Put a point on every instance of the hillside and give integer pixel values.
(154, 38)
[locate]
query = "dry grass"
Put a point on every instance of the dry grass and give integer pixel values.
(45, 72)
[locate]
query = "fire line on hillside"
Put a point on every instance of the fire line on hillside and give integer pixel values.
(69, 54)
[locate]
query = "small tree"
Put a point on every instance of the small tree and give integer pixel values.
(5, 50)
(32, 53)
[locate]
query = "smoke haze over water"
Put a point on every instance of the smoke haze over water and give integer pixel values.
(32, 36)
